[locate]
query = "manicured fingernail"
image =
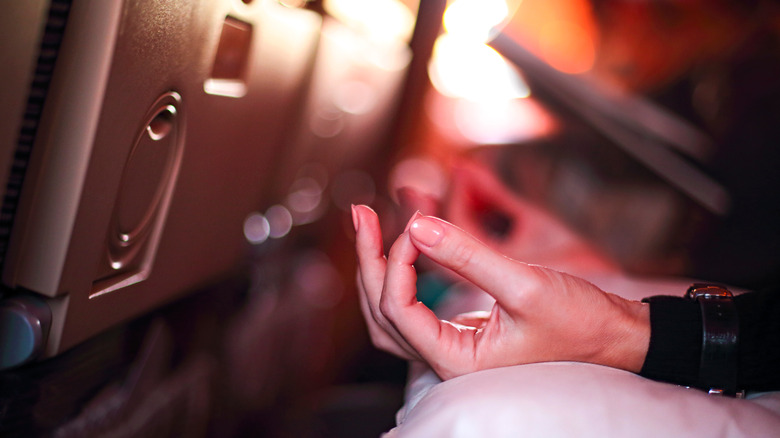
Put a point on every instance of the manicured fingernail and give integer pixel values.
(426, 231)
(355, 218)
(409, 224)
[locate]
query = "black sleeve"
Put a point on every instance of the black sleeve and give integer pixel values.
(759, 340)
(676, 337)
(675, 340)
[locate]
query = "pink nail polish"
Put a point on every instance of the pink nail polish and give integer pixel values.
(355, 218)
(426, 231)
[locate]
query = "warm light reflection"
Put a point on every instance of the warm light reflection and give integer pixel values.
(469, 123)
(384, 20)
(225, 87)
(564, 33)
(469, 69)
(474, 19)
(567, 46)
(510, 121)
(293, 3)
(354, 97)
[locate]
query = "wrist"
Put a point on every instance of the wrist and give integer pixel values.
(629, 337)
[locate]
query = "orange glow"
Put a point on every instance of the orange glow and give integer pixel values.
(383, 20)
(474, 19)
(567, 46)
(562, 32)
(469, 69)
(467, 123)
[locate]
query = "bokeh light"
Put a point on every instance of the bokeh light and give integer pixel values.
(474, 19)
(279, 221)
(383, 20)
(354, 97)
(256, 228)
(468, 69)
(506, 122)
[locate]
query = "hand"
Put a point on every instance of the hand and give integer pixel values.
(540, 314)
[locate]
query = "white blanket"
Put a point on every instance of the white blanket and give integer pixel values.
(575, 400)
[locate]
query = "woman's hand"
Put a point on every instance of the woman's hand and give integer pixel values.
(540, 314)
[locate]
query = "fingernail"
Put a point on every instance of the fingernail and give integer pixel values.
(426, 231)
(355, 218)
(409, 224)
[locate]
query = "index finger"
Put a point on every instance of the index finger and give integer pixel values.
(457, 250)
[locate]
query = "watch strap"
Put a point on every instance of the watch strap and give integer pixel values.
(720, 338)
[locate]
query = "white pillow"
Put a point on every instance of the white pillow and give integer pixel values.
(565, 399)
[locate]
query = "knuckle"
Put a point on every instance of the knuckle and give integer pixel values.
(461, 256)
(537, 283)
(386, 309)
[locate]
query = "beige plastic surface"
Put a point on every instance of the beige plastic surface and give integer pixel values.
(118, 59)
(21, 25)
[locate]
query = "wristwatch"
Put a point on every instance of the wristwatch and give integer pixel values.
(720, 338)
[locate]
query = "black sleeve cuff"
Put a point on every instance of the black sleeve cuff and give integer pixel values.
(674, 354)
(759, 344)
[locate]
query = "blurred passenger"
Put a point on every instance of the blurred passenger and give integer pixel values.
(716, 64)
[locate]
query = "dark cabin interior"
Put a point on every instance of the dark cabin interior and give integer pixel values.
(176, 245)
